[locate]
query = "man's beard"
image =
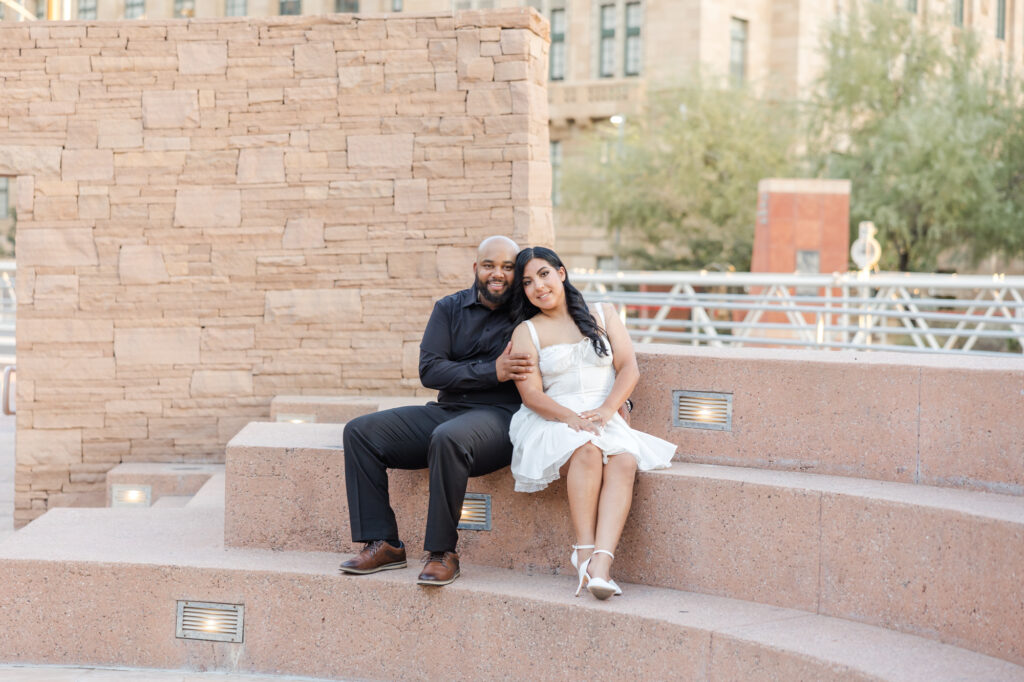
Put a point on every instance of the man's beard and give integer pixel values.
(496, 299)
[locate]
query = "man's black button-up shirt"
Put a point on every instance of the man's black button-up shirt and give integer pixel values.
(460, 344)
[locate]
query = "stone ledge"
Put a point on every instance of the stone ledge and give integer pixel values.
(913, 558)
(115, 576)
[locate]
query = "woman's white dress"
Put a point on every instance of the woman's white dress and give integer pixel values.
(574, 375)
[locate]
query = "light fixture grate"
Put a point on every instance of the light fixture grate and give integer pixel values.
(702, 410)
(296, 418)
(130, 495)
(210, 621)
(476, 512)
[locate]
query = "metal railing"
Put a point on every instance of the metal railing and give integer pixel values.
(911, 312)
(8, 306)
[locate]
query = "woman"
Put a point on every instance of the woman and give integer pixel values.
(570, 411)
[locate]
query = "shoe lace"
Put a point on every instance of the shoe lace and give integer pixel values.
(373, 545)
(440, 557)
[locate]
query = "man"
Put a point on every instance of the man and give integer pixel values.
(466, 355)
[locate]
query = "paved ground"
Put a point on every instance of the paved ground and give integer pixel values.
(6, 477)
(13, 673)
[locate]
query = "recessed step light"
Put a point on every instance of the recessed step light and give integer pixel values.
(130, 495)
(295, 418)
(210, 621)
(702, 410)
(476, 512)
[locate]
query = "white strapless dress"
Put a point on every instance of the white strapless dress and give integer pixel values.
(574, 375)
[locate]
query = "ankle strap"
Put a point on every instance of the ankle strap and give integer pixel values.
(583, 547)
(604, 551)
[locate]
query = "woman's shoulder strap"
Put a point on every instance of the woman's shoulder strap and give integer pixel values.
(533, 335)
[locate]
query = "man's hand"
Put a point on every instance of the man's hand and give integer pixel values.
(514, 366)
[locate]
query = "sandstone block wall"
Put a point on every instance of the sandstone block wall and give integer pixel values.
(212, 212)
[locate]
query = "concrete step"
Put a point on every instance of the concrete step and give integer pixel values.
(937, 562)
(100, 587)
(172, 501)
(335, 409)
(163, 479)
(52, 673)
(932, 419)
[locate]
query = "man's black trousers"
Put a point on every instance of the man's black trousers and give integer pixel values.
(455, 441)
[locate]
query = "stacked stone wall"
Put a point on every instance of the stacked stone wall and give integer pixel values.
(213, 212)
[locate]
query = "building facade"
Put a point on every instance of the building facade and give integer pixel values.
(606, 54)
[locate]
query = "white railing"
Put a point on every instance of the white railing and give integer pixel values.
(911, 312)
(8, 306)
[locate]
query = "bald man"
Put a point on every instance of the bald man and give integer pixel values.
(466, 355)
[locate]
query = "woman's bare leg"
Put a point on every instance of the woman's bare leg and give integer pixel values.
(612, 509)
(583, 483)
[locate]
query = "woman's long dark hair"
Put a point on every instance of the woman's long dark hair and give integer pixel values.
(522, 309)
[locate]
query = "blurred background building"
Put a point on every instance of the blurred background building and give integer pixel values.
(606, 55)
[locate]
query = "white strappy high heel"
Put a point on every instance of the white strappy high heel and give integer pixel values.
(599, 587)
(574, 560)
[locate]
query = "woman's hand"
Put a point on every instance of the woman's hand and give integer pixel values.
(598, 417)
(580, 422)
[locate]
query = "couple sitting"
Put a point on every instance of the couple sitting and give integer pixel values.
(494, 408)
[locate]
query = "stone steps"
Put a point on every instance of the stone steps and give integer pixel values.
(926, 419)
(335, 409)
(100, 586)
(940, 563)
(164, 479)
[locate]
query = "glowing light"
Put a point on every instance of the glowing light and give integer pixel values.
(133, 495)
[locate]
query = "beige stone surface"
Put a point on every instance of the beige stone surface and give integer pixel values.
(202, 57)
(140, 264)
(206, 211)
(386, 151)
(324, 306)
(938, 421)
(156, 346)
(170, 109)
(303, 233)
(261, 165)
(136, 564)
(890, 554)
(207, 207)
(71, 246)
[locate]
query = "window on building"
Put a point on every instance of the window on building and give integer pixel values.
(557, 56)
(183, 9)
(556, 173)
(236, 8)
(346, 6)
(606, 67)
(133, 9)
(1001, 19)
(958, 12)
(86, 9)
(912, 6)
(634, 51)
(5, 197)
(40, 9)
(396, 5)
(290, 7)
(738, 51)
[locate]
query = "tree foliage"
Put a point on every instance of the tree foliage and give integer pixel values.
(680, 180)
(928, 134)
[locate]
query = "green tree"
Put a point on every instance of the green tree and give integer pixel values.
(679, 181)
(928, 135)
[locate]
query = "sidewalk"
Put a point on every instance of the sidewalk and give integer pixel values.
(6, 476)
(47, 673)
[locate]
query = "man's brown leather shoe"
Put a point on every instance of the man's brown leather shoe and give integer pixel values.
(441, 568)
(376, 556)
